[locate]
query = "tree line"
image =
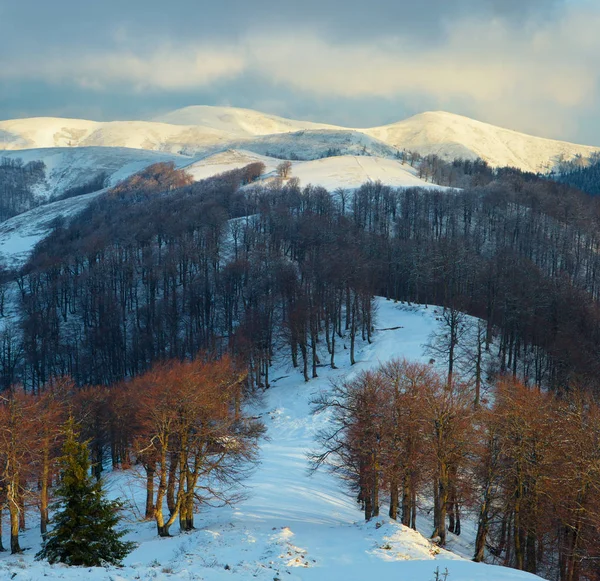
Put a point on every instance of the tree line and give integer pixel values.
(525, 466)
(181, 423)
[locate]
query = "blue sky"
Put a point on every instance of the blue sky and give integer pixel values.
(530, 65)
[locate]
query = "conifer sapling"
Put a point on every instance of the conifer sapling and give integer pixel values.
(83, 531)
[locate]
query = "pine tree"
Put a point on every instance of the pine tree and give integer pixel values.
(83, 530)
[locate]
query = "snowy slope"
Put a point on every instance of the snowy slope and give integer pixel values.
(55, 132)
(452, 136)
(228, 161)
(72, 167)
(314, 144)
(348, 171)
(204, 130)
(44, 132)
(351, 171)
(156, 136)
(291, 525)
(69, 167)
(20, 234)
(240, 122)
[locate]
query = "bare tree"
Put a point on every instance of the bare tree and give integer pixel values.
(284, 169)
(192, 436)
(443, 342)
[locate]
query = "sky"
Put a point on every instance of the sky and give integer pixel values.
(530, 65)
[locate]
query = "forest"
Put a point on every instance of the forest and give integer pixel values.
(582, 174)
(143, 276)
(17, 184)
(524, 466)
(164, 284)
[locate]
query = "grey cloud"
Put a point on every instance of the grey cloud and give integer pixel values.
(527, 64)
(71, 23)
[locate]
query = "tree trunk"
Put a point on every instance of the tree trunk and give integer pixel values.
(304, 359)
(150, 469)
(173, 462)
(441, 505)
(530, 553)
(186, 516)
(2, 549)
(406, 508)
(332, 361)
(313, 345)
(518, 538)
(482, 532)
(44, 493)
(14, 526)
(353, 332)
(21, 501)
(457, 527)
(161, 526)
(394, 497)
(368, 499)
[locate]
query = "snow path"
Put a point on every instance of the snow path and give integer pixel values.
(292, 525)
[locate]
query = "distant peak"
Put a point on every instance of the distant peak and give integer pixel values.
(443, 116)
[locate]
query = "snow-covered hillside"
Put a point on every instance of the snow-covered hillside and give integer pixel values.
(351, 171)
(348, 171)
(453, 136)
(314, 144)
(55, 132)
(241, 122)
(291, 525)
(227, 161)
(204, 130)
(67, 168)
(20, 234)
(73, 167)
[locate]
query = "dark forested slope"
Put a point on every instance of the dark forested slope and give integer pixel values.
(160, 268)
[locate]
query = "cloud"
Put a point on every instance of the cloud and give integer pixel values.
(73, 23)
(484, 61)
(537, 77)
(169, 68)
(533, 74)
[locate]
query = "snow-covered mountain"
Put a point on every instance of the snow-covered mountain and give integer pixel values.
(241, 122)
(452, 136)
(204, 130)
(56, 132)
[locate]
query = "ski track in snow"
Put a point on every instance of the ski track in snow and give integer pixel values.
(291, 525)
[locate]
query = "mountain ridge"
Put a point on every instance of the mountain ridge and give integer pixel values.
(215, 129)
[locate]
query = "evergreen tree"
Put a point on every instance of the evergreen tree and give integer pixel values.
(84, 526)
